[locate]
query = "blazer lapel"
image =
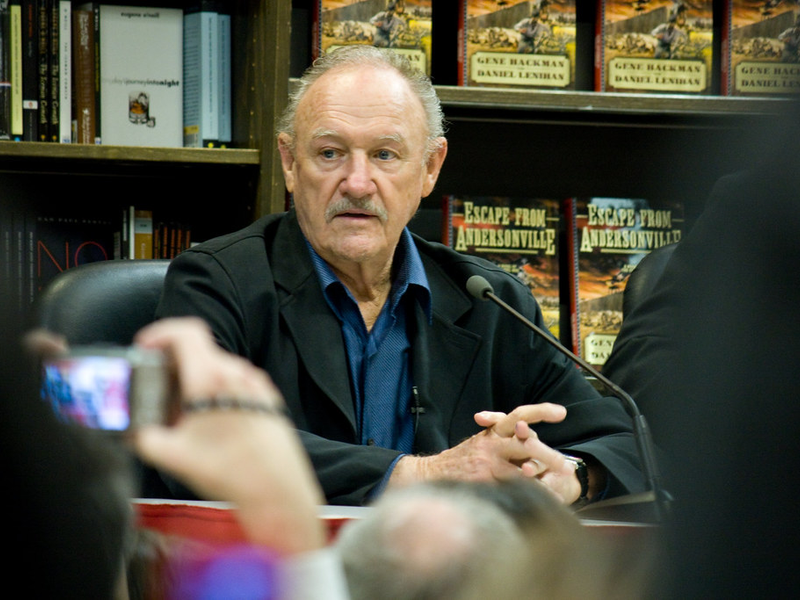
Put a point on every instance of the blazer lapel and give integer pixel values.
(443, 357)
(317, 336)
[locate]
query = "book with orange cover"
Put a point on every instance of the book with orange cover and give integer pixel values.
(517, 44)
(520, 235)
(606, 239)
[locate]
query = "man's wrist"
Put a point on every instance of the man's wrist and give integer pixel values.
(582, 475)
(408, 470)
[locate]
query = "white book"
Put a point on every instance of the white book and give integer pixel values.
(65, 71)
(141, 75)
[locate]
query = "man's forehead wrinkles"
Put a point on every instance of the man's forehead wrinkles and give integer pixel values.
(323, 132)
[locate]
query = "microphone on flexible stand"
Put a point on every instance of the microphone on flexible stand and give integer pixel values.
(480, 288)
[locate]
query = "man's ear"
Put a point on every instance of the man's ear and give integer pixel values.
(434, 165)
(287, 159)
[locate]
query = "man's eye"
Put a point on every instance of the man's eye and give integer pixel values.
(385, 154)
(328, 153)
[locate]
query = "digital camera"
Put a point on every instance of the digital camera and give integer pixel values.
(107, 388)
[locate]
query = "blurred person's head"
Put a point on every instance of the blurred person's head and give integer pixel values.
(467, 540)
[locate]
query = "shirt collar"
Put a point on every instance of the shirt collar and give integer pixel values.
(409, 274)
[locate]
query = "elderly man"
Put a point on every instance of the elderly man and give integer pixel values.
(392, 372)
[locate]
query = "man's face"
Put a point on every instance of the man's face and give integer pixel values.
(358, 170)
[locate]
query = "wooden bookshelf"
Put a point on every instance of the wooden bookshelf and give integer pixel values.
(502, 141)
(179, 180)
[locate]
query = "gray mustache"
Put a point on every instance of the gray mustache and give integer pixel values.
(348, 204)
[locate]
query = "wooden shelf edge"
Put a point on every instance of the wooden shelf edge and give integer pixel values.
(606, 102)
(41, 150)
(603, 102)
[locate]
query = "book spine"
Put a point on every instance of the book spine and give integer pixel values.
(201, 79)
(5, 73)
(142, 234)
(98, 134)
(16, 70)
(65, 71)
(599, 47)
(725, 75)
(573, 304)
(30, 77)
(43, 87)
(316, 29)
(83, 77)
(54, 61)
(225, 73)
(462, 43)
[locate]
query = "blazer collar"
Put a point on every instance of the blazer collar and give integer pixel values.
(443, 353)
(316, 335)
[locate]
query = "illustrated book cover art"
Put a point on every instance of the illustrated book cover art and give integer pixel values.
(761, 48)
(606, 239)
(141, 66)
(519, 43)
(520, 235)
(660, 46)
(405, 26)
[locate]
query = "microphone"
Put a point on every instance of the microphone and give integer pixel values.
(480, 288)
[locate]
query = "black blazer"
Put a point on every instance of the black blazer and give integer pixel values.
(258, 291)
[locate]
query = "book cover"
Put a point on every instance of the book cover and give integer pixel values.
(402, 25)
(760, 48)
(201, 76)
(520, 235)
(30, 70)
(83, 97)
(141, 65)
(518, 43)
(660, 46)
(606, 239)
(62, 242)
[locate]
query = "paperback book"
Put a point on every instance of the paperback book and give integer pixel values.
(606, 239)
(141, 67)
(402, 25)
(206, 75)
(760, 48)
(660, 46)
(519, 43)
(520, 235)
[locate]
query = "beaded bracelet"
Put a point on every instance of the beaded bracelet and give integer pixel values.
(225, 403)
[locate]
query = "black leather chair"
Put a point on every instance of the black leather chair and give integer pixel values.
(107, 302)
(644, 276)
(102, 302)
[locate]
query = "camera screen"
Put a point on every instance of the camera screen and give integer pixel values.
(91, 391)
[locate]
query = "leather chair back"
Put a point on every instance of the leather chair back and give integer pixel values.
(102, 302)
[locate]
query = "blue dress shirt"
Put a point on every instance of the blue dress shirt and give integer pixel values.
(379, 359)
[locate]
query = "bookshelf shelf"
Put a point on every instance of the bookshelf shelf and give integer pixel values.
(605, 103)
(74, 152)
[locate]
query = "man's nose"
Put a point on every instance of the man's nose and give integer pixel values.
(359, 177)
